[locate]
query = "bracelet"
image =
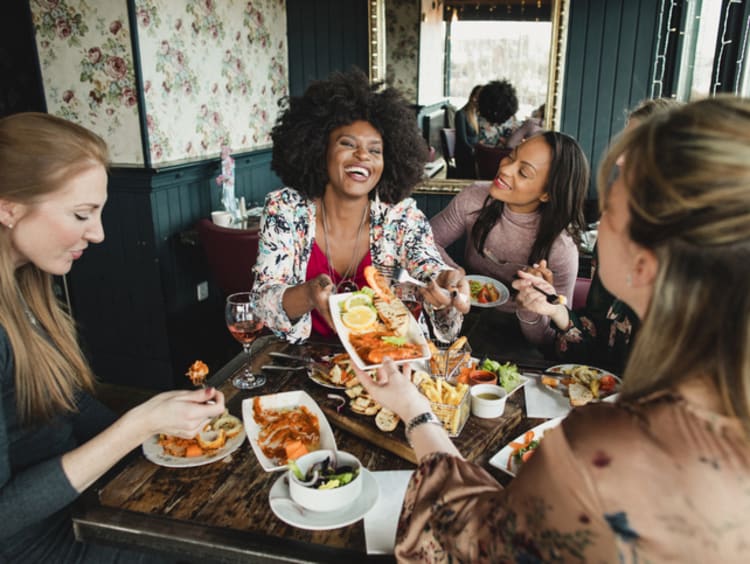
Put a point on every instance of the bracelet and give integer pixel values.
(522, 320)
(421, 419)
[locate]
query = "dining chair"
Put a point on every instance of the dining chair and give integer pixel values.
(231, 255)
(487, 160)
(581, 292)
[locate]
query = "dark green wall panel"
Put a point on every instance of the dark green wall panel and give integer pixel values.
(325, 36)
(134, 295)
(608, 68)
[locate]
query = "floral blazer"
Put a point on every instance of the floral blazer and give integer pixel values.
(400, 235)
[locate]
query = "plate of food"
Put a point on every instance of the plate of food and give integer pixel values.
(486, 291)
(284, 426)
(221, 437)
(512, 456)
(580, 383)
(374, 325)
(335, 373)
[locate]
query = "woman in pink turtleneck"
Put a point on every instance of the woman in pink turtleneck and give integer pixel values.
(532, 211)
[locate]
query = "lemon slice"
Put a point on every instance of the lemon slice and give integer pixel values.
(356, 300)
(359, 318)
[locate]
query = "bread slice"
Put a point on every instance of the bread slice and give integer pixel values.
(579, 394)
(386, 420)
(394, 314)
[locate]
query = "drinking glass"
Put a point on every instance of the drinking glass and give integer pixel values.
(245, 325)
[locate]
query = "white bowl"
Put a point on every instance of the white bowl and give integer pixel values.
(221, 218)
(484, 407)
(325, 500)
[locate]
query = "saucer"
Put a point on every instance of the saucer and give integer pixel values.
(292, 514)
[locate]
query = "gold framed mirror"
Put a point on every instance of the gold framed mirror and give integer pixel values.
(558, 42)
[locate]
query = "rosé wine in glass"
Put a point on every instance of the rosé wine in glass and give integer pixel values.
(245, 324)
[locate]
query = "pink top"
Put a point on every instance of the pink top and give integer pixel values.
(319, 265)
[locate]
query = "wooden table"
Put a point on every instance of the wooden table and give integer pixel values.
(220, 512)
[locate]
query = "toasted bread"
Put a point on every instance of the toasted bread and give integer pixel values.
(579, 394)
(394, 314)
(386, 420)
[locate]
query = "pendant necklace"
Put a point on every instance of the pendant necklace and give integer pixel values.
(347, 283)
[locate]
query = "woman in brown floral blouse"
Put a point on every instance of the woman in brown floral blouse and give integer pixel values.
(663, 473)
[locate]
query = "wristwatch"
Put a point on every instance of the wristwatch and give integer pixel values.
(421, 419)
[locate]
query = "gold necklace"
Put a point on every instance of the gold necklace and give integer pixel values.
(347, 283)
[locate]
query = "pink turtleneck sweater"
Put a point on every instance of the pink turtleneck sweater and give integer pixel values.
(509, 240)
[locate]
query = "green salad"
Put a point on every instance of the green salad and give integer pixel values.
(508, 375)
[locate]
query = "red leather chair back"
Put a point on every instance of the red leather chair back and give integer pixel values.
(581, 292)
(488, 160)
(231, 255)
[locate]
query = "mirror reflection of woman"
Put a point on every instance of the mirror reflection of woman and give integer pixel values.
(532, 213)
(350, 153)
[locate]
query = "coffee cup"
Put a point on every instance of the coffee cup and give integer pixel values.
(221, 218)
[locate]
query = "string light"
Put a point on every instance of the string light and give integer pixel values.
(660, 62)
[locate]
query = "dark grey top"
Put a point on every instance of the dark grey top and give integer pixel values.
(35, 494)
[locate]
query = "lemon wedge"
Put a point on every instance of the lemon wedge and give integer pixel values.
(356, 300)
(359, 318)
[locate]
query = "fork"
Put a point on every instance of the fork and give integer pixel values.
(553, 299)
(492, 258)
(401, 276)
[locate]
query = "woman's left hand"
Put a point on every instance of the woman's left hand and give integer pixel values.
(449, 288)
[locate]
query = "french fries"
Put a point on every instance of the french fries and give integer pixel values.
(444, 362)
(440, 391)
(448, 402)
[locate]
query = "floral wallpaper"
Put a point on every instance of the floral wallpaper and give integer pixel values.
(86, 61)
(212, 72)
(402, 46)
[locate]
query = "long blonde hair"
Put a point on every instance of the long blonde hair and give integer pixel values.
(471, 109)
(687, 173)
(38, 153)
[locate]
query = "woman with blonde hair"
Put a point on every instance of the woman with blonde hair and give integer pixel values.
(55, 438)
(467, 132)
(662, 474)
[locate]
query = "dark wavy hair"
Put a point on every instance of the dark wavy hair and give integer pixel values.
(300, 136)
(567, 184)
(498, 101)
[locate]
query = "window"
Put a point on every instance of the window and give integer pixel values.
(481, 51)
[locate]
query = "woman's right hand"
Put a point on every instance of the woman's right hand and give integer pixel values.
(319, 289)
(392, 388)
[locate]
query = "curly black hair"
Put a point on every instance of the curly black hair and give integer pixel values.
(300, 135)
(498, 101)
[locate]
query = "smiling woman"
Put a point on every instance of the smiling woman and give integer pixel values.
(350, 153)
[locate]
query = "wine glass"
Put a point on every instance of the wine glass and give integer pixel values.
(245, 325)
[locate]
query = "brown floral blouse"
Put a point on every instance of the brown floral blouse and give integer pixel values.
(658, 480)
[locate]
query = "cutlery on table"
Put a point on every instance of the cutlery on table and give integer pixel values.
(285, 356)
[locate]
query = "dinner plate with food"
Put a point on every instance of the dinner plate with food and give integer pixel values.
(374, 323)
(486, 291)
(220, 438)
(336, 373)
(284, 426)
(512, 456)
(581, 384)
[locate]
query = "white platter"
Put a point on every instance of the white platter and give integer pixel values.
(501, 458)
(414, 335)
(154, 452)
(292, 514)
(501, 288)
(281, 401)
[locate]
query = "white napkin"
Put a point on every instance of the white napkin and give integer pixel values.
(541, 402)
(382, 519)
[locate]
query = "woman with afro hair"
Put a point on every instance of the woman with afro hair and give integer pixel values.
(349, 153)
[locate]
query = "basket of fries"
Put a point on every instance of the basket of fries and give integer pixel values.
(447, 361)
(449, 402)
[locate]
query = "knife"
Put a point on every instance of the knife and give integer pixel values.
(285, 368)
(285, 356)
